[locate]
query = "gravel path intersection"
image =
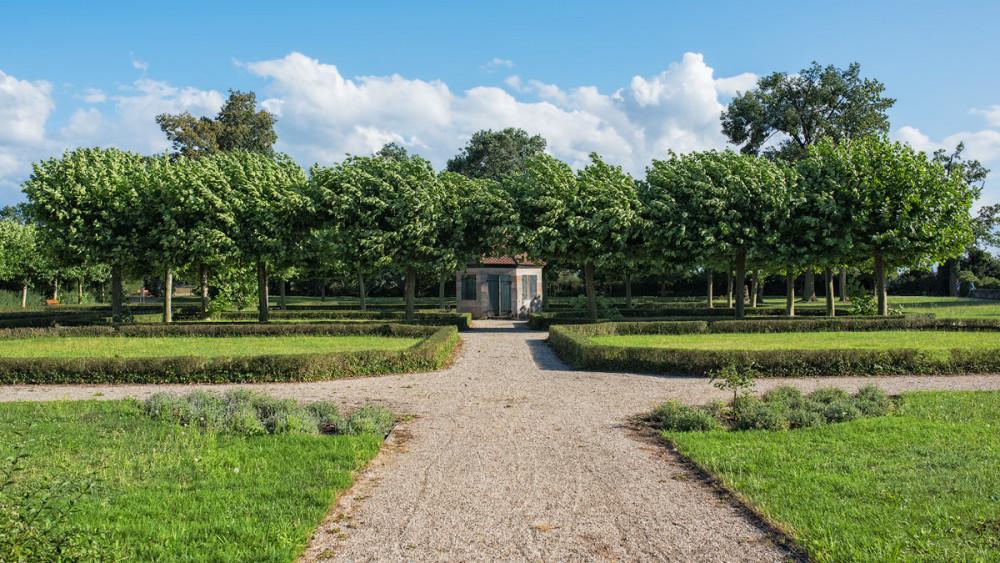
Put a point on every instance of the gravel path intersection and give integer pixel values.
(509, 455)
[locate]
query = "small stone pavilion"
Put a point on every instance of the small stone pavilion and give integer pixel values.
(505, 287)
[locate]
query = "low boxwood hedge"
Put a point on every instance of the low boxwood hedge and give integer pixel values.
(430, 354)
(575, 345)
(462, 321)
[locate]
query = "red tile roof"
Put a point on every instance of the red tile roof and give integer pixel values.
(519, 260)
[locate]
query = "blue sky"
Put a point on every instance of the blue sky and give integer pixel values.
(629, 80)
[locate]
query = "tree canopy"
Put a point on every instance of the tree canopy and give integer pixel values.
(798, 110)
(238, 126)
(494, 154)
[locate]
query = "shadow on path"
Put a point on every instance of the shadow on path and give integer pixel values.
(545, 357)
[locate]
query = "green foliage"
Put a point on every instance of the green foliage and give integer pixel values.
(676, 416)
(250, 413)
(735, 377)
(494, 155)
(817, 103)
(238, 126)
(605, 308)
(590, 218)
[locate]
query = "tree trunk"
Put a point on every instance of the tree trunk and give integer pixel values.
(104, 297)
(843, 285)
(545, 291)
(79, 291)
(411, 290)
(441, 291)
(952, 265)
(24, 296)
(789, 293)
(711, 290)
(828, 278)
(203, 280)
(809, 286)
(263, 314)
(754, 286)
(588, 277)
(361, 291)
(116, 294)
(168, 296)
(322, 291)
(760, 293)
(55, 288)
(729, 288)
(628, 291)
(281, 292)
(741, 279)
(880, 287)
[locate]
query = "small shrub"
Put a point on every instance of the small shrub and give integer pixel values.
(785, 395)
(206, 409)
(827, 395)
(735, 377)
(370, 419)
(679, 417)
(718, 409)
(327, 416)
(241, 418)
(841, 411)
(752, 413)
(298, 422)
(804, 418)
(169, 408)
(872, 401)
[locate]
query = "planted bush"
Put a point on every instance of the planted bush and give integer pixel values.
(781, 408)
(674, 415)
(249, 413)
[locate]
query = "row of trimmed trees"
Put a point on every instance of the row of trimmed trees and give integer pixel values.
(868, 203)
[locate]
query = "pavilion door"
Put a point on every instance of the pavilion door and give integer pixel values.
(499, 289)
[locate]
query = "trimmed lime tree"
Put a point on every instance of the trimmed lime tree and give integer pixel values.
(91, 201)
(587, 218)
(384, 211)
(906, 210)
(270, 212)
(18, 254)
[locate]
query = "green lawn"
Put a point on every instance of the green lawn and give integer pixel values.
(936, 343)
(170, 493)
(920, 485)
(111, 346)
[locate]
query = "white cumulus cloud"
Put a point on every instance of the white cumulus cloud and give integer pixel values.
(24, 108)
(324, 115)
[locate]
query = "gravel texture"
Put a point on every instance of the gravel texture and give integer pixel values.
(509, 455)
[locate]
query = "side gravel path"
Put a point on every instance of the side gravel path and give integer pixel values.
(509, 455)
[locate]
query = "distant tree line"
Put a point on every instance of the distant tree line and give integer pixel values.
(833, 194)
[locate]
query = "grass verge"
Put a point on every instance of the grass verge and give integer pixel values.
(920, 485)
(175, 493)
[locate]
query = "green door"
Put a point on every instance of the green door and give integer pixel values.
(493, 287)
(499, 288)
(505, 287)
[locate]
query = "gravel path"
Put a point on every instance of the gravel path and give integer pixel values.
(509, 455)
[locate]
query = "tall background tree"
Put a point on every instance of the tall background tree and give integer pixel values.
(495, 154)
(238, 126)
(786, 114)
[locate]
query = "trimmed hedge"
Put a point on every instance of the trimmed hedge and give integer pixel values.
(462, 321)
(430, 354)
(575, 345)
(544, 321)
